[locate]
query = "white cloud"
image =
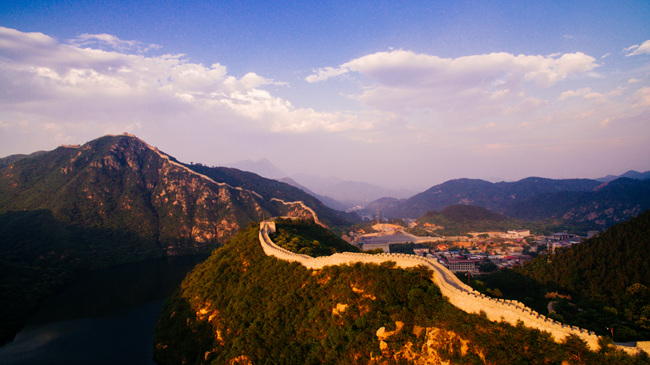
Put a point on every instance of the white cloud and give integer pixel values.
(412, 107)
(573, 93)
(641, 98)
(588, 94)
(636, 50)
(405, 67)
(464, 89)
(54, 81)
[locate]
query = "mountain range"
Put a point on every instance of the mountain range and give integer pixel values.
(262, 167)
(591, 203)
(631, 174)
(599, 204)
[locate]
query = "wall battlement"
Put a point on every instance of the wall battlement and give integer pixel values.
(459, 294)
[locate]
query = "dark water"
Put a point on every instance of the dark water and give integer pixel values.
(105, 317)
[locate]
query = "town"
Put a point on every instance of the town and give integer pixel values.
(474, 253)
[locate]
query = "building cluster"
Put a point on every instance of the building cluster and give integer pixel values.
(475, 253)
(473, 261)
(558, 240)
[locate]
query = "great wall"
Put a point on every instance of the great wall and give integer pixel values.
(459, 294)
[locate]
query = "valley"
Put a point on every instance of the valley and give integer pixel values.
(333, 312)
(117, 200)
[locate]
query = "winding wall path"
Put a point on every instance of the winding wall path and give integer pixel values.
(458, 293)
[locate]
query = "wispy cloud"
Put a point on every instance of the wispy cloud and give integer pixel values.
(573, 93)
(326, 73)
(111, 42)
(637, 50)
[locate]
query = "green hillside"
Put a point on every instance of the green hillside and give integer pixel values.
(307, 238)
(243, 307)
(600, 284)
(603, 267)
(460, 219)
(612, 269)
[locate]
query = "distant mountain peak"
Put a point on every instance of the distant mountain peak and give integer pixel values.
(632, 174)
(121, 181)
(262, 167)
(588, 202)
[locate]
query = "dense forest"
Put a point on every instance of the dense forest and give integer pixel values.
(304, 237)
(600, 284)
(241, 306)
(460, 219)
(39, 253)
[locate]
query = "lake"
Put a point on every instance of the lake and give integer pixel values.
(104, 317)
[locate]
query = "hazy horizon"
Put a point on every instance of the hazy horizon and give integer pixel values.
(415, 188)
(398, 95)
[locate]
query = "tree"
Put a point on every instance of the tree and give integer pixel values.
(488, 266)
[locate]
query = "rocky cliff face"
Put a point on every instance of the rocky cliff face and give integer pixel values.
(120, 183)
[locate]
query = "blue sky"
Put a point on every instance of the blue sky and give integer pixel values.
(397, 94)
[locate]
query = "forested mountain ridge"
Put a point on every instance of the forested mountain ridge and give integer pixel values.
(575, 200)
(116, 200)
(241, 306)
(121, 182)
(461, 219)
(273, 189)
(492, 196)
(608, 204)
(600, 284)
(8, 160)
(612, 268)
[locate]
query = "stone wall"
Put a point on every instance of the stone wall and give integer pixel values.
(458, 293)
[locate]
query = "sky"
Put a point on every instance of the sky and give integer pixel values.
(397, 94)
